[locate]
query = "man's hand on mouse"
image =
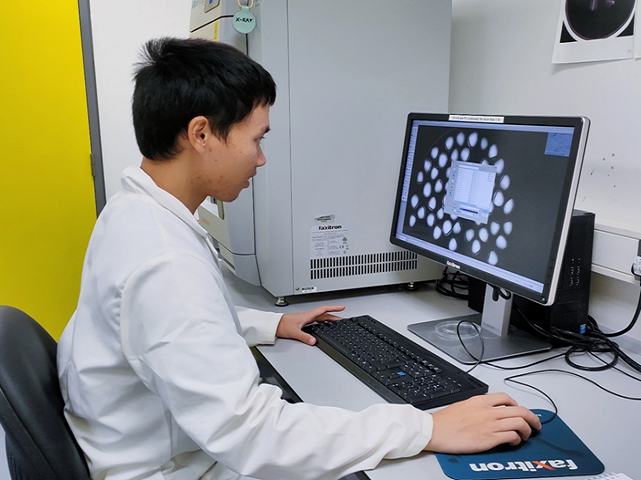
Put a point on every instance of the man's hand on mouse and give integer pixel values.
(481, 423)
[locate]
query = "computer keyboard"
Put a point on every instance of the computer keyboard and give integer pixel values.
(393, 366)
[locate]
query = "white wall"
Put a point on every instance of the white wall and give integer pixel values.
(502, 64)
(120, 28)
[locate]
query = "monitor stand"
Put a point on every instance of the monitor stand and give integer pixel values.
(500, 339)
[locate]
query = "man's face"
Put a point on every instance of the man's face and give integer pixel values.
(231, 164)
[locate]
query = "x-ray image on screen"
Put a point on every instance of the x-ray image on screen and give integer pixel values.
(479, 190)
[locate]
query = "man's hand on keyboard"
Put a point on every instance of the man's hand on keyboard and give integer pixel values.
(481, 423)
(291, 323)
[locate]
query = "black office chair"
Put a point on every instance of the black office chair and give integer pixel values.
(40, 445)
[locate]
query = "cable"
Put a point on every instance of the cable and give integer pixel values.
(478, 332)
(520, 367)
(498, 292)
(625, 373)
(566, 372)
(632, 323)
(449, 283)
(554, 406)
(215, 20)
(596, 357)
(605, 366)
(593, 340)
(607, 346)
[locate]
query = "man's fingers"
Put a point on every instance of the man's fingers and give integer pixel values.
(497, 400)
(510, 438)
(327, 317)
(516, 425)
(524, 415)
(319, 314)
(325, 309)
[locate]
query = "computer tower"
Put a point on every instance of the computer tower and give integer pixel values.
(569, 312)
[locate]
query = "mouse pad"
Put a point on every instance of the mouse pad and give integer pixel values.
(554, 452)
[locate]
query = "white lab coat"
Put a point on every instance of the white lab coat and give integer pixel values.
(156, 373)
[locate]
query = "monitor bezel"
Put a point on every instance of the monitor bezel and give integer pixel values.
(562, 224)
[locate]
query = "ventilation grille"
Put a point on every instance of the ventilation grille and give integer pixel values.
(369, 264)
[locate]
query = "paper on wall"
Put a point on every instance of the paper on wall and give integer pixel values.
(597, 30)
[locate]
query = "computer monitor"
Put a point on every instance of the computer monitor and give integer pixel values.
(492, 197)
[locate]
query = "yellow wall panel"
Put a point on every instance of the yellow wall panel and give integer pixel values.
(47, 203)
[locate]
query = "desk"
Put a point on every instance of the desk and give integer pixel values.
(609, 426)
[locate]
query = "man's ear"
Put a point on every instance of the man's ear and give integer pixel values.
(199, 134)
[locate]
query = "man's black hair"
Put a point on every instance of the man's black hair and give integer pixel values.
(179, 79)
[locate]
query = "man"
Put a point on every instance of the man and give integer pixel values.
(155, 369)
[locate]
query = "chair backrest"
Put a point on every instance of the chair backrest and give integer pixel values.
(40, 444)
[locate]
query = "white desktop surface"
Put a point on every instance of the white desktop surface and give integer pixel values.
(609, 426)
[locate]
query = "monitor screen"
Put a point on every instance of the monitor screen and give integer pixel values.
(491, 196)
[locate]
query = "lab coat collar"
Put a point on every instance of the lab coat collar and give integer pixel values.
(135, 180)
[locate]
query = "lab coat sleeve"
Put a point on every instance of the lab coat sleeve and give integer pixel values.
(258, 327)
(179, 336)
